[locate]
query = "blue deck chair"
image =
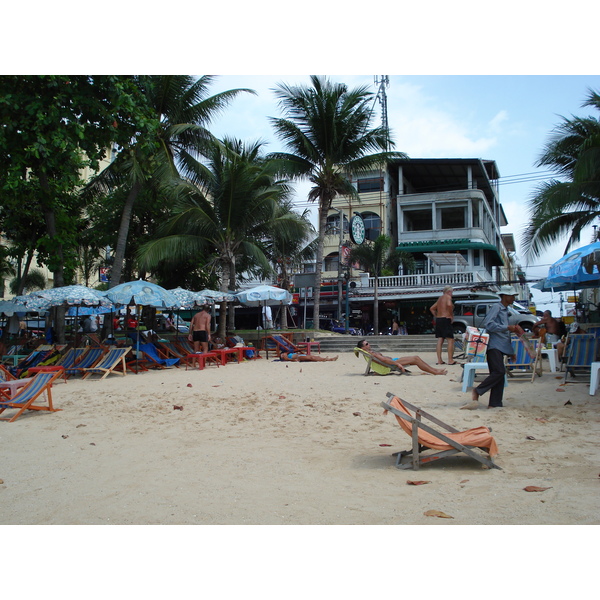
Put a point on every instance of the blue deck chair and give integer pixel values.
(32, 360)
(24, 399)
(523, 363)
(89, 359)
(114, 359)
(581, 352)
(153, 358)
(185, 346)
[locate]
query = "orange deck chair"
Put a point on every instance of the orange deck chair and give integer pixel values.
(425, 437)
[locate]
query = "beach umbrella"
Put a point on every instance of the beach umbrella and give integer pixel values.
(576, 270)
(141, 293)
(264, 295)
(74, 295)
(9, 308)
(216, 296)
(188, 299)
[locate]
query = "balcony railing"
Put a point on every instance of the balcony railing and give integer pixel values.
(425, 280)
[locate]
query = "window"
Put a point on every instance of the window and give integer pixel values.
(333, 225)
(331, 262)
(453, 217)
(418, 220)
(372, 225)
(373, 184)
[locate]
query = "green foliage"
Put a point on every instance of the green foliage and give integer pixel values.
(561, 208)
(34, 280)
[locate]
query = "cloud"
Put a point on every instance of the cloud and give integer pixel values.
(422, 129)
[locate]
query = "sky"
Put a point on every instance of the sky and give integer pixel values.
(505, 118)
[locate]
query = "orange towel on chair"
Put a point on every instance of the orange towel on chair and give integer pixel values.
(480, 437)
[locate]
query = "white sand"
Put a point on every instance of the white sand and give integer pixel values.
(268, 442)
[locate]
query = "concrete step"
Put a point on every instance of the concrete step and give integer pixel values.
(401, 344)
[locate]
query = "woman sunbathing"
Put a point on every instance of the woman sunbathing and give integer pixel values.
(295, 357)
(401, 362)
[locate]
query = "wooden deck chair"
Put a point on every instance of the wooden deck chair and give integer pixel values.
(280, 343)
(24, 399)
(580, 354)
(5, 374)
(169, 349)
(32, 360)
(86, 360)
(524, 363)
(154, 359)
(375, 366)
(442, 443)
(66, 361)
(185, 346)
(113, 361)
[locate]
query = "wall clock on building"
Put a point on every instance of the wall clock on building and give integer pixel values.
(357, 229)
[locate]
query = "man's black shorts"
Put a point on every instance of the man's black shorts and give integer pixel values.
(443, 328)
(200, 336)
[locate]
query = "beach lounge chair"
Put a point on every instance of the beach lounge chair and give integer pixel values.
(280, 343)
(442, 444)
(185, 346)
(32, 360)
(169, 349)
(5, 374)
(154, 359)
(524, 363)
(66, 361)
(581, 352)
(111, 362)
(375, 366)
(24, 399)
(89, 359)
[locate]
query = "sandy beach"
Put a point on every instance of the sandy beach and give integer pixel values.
(268, 442)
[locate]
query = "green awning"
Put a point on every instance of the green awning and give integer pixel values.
(449, 246)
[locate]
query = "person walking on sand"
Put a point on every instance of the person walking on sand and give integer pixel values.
(443, 312)
(200, 329)
(401, 362)
(499, 345)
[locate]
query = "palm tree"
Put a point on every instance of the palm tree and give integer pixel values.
(183, 108)
(326, 128)
(225, 216)
(289, 253)
(562, 209)
(376, 256)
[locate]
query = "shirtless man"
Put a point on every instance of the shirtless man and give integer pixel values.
(295, 357)
(443, 311)
(200, 329)
(552, 327)
(401, 362)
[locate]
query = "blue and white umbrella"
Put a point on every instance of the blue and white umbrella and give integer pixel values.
(216, 296)
(9, 308)
(264, 295)
(74, 295)
(576, 270)
(188, 299)
(141, 293)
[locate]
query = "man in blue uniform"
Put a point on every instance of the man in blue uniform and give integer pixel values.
(496, 324)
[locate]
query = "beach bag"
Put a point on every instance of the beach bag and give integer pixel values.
(477, 343)
(249, 353)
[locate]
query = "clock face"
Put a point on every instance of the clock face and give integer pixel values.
(357, 230)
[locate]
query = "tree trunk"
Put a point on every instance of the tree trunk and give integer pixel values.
(319, 267)
(59, 258)
(119, 258)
